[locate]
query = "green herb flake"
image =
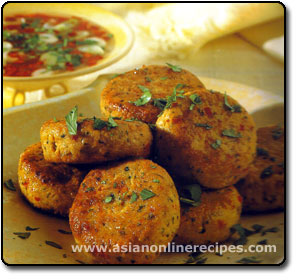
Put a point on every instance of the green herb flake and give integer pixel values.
(133, 197)
(156, 181)
(98, 123)
(55, 120)
(257, 228)
(145, 98)
(22, 235)
(195, 98)
(191, 194)
(205, 125)
(175, 68)
(110, 35)
(109, 198)
(273, 229)
(148, 79)
(164, 78)
(28, 228)
(216, 144)
(231, 133)
(153, 166)
(62, 231)
(111, 123)
(10, 185)
(90, 189)
(53, 244)
(146, 194)
(234, 108)
(71, 121)
(262, 242)
(248, 260)
(160, 103)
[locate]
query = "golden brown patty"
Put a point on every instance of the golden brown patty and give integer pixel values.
(131, 202)
(263, 187)
(92, 145)
(160, 80)
(209, 144)
(211, 221)
(48, 186)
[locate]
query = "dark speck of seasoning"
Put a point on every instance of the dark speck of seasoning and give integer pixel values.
(64, 256)
(119, 259)
(63, 135)
(267, 172)
(150, 216)
(276, 133)
(262, 152)
(126, 168)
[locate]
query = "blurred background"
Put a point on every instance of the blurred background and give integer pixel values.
(239, 42)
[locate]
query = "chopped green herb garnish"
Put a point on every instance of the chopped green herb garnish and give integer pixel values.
(71, 121)
(231, 133)
(273, 229)
(248, 260)
(148, 79)
(257, 228)
(133, 197)
(146, 194)
(156, 181)
(28, 228)
(160, 103)
(205, 125)
(111, 123)
(10, 185)
(53, 244)
(90, 189)
(109, 198)
(262, 242)
(22, 235)
(164, 78)
(55, 120)
(131, 120)
(153, 166)
(216, 144)
(175, 68)
(191, 194)
(195, 98)
(234, 108)
(145, 98)
(99, 124)
(109, 35)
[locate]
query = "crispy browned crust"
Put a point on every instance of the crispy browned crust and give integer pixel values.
(48, 186)
(263, 190)
(123, 221)
(89, 145)
(211, 221)
(186, 150)
(114, 99)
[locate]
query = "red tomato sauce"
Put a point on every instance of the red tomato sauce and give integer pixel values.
(40, 44)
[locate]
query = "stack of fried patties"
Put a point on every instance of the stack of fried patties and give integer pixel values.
(97, 166)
